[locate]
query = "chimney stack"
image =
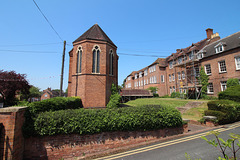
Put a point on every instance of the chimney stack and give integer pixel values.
(209, 32)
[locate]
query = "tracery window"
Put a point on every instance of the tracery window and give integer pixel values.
(96, 60)
(79, 59)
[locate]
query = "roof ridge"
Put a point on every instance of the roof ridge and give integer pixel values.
(219, 40)
(95, 33)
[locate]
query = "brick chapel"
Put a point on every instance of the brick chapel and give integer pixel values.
(93, 67)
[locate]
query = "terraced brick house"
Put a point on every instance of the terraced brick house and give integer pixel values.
(179, 72)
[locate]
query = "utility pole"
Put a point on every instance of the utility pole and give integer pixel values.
(63, 59)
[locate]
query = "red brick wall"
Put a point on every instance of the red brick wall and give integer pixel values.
(217, 77)
(12, 141)
(82, 146)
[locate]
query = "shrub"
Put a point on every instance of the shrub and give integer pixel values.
(114, 101)
(232, 82)
(155, 95)
(231, 93)
(175, 95)
(90, 121)
(230, 108)
(115, 97)
(206, 97)
(53, 104)
(165, 96)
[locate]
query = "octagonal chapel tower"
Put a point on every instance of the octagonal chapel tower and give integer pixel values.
(93, 67)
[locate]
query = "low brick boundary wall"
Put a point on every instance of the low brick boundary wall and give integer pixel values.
(82, 146)
(11, 138)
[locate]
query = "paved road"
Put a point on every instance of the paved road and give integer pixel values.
(176, 149)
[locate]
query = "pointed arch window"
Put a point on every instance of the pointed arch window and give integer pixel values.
(79, 59)
(111, 62)
(96, 60)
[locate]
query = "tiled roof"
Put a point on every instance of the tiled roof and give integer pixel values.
(230, 42)
(161, 62)
(94, 33)
(136, 92)
(195, 46)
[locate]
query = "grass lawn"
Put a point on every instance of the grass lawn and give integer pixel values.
(195, 113)
(167, 102)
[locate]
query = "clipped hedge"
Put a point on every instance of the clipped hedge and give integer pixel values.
(90, 121)
(231, 93)
(226, 111)
(53, 104)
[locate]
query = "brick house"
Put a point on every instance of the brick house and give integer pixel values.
(93, 67)
(49, 93)
(179, 72)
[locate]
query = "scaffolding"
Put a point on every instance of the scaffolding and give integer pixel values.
(191, 83)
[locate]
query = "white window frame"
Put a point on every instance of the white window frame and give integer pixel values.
(219, 47)
(170, 64)
(174, 89)
(145, 72)
(197, 71)
(155, 79)
(237, 62)
(191, 55)
(223, 85)
(179, 60)
(170, 78)
(140, 74)
(200, 55)
(208, 69)
(173, 77)
(210, 89)
(219, 67)
(170, 90)
(136, 76)
(183, 75)
(162, 78)
(179, 75)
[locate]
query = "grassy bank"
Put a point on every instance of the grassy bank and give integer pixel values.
(193, 113)
(166, 102)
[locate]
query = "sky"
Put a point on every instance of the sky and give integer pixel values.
(28, 44)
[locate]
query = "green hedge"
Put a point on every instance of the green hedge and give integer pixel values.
(231, 93)
(230, 110)
(90, 121)
(53, 104)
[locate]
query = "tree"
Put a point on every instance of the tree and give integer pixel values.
(232, 82)
(153, 89)
(203, 81)
(66, 92)
(115, 97)
(34, 92)
(11, 83)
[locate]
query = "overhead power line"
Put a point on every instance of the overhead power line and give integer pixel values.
(141, 55)
(48, 21)
(6, 50)
(40, 44)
